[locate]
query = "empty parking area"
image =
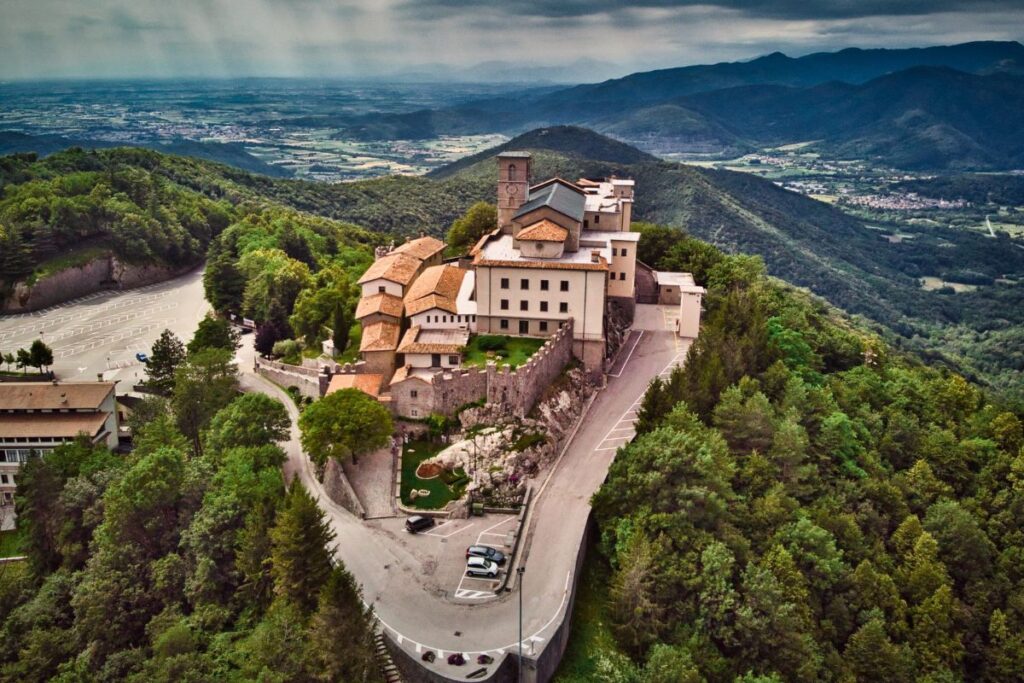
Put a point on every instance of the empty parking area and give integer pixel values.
(103, 331)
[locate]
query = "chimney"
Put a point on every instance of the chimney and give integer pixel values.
(595, 256)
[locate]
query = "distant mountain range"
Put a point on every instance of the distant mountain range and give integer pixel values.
(940, 107)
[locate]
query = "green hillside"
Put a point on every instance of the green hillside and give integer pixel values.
(805, 242)
(804, 503)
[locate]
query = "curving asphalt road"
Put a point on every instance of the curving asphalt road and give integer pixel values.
(394, 572)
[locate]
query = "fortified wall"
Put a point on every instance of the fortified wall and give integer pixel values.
(519, 389)
(516, 390)
(311, 382)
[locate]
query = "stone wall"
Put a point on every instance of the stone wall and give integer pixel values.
(100, 274)
(519, 389)
(338, 489)
(445, 394)
(309, 381)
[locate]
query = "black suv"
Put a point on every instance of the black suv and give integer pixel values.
(418, 523)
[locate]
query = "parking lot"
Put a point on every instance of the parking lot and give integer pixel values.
(102, 332)
(442, 549)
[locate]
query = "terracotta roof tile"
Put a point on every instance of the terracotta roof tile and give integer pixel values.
(380, 336)
(437, 287)
(40, 395)
(367, 383)
(543, 231)
(422, 248)
(399, 268)
(383, 303)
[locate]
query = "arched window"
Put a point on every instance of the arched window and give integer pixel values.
(511, 171)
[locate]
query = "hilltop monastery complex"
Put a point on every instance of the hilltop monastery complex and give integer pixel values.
(563, 252)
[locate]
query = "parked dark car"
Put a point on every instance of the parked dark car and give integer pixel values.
(418, 523)
(486, 552)
(141, 357)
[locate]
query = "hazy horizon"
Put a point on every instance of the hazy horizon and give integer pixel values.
(359, 40)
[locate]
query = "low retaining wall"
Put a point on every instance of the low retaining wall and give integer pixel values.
(339, 489)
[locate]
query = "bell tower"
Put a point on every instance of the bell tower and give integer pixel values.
(513, 186)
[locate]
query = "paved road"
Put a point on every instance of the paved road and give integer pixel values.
(396, 570)
(102, 332)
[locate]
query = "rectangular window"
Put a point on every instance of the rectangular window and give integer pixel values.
(543, 306)
(453, 360)
(524, 305)
(413, 412)
(524, 283)
(543, 325)
(504, 304)
(3, 479)
(611, 276)
(615, 252)
(473, 318)
(543, 285)
(503, 324)
(524, 327)
(622, 276)
(504, 283)
(624, 252)
(597, 219)
(414, 394)
(563, 307)
(565, 286)
(381, 289)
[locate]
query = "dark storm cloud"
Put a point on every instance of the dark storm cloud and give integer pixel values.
(774, 9)
(118, 38)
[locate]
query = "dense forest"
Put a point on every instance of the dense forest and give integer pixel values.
(187, 560)
(805, 503)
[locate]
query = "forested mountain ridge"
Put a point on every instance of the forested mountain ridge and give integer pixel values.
(803, 241)
(803, 504)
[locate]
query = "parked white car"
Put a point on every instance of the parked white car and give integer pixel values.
(480, 566)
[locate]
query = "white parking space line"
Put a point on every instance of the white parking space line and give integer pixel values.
(629, 355)
(438, 528)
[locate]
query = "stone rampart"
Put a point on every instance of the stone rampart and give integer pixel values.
(309, 383)
(520, 389)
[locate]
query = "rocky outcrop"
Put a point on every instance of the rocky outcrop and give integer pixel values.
(107, 272)
(500, 451)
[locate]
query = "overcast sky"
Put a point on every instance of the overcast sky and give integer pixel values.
(343, 38)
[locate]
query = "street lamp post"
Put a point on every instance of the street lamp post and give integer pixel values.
(520, 571)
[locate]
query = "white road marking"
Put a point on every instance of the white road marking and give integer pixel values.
(629, 355)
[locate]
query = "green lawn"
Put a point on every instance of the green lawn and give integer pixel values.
(444, 488)
(10, 543)
(512, 350)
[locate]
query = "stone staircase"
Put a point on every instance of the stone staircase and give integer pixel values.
(387, 665)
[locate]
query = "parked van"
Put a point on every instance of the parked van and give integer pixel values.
(418, 523)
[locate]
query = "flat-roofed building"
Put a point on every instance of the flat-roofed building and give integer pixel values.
(36, 417)
(433, 348)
